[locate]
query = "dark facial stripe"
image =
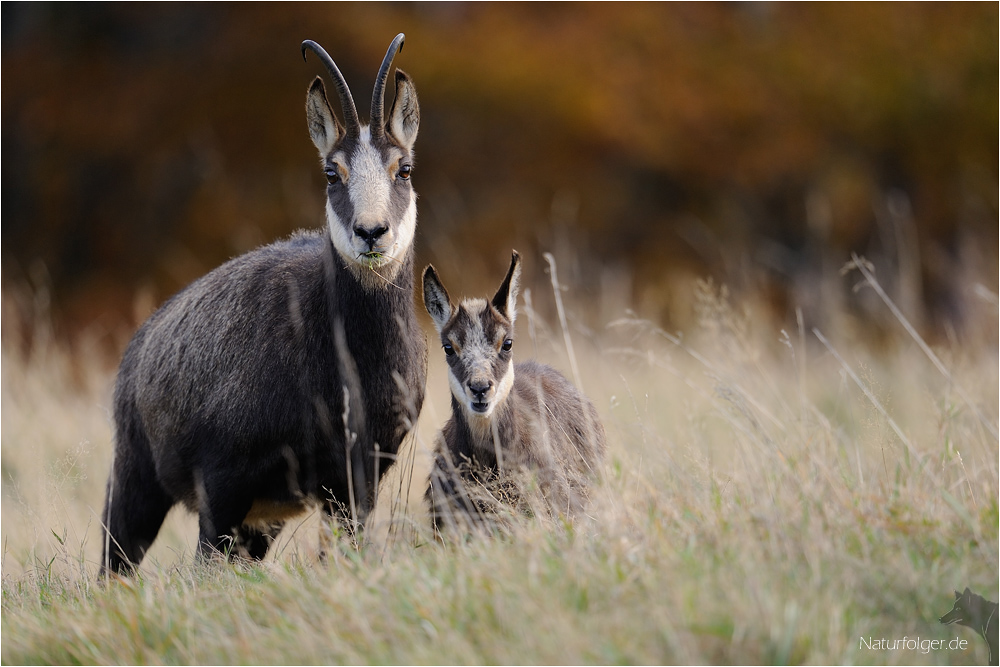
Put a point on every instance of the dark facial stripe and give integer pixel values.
(477, 330)
(399, 190)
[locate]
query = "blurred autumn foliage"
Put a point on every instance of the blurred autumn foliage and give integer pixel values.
(643, 144)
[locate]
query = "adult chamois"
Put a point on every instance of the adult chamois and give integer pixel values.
(506, 418)
(290, 375)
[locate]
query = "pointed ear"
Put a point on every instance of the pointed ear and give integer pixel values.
(436, 299)
(967, 593)
(505, 299)
(324, 128)
(958, 596)
(404, 117)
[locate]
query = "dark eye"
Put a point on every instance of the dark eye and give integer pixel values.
(404, 172)
(507, 344)
(448, 349)
(332, 175)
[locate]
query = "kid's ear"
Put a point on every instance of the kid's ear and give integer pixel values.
(436, 299)
(505, 300)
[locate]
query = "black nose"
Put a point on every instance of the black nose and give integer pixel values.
(370, 236)
(480, 388)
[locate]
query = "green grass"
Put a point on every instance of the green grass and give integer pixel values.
(758, 506)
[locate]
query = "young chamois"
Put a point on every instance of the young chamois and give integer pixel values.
(288, 376)
(507, 419)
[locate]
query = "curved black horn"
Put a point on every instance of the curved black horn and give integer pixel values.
(351, 121)
(378, 103)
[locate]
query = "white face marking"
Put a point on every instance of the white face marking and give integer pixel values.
(369, 189)
(373, 272)
(480, 423)
(404, 235)
(369, 185)
(506, 384)
(477, 358)
(341, 237)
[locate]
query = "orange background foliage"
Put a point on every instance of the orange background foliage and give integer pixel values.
(143, 145)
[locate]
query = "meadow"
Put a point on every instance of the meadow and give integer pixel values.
(771, 495)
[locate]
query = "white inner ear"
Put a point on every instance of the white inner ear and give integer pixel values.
(439, 322)
(322, 128)
(515, 285)
(405, 117)
(439, 308)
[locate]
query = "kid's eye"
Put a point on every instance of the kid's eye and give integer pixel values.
(448, 349)
(404, 172)
(507, 344)
(332, 176)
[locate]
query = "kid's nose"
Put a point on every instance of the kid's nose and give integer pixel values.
(480, 387)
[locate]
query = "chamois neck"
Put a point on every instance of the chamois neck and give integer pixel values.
(370, 284)
(380, 324)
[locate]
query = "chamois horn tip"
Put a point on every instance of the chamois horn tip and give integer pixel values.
(305, 47)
